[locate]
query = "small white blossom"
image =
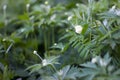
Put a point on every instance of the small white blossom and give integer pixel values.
(46, 2)
(78, 29)
(27, 6)
(34, 52)
(4, 39)
(55, 44)
(77, 4)
(94, 60)
(4, 7)
(69, 18)
(112, 9)
(60, 73)
(44, 62)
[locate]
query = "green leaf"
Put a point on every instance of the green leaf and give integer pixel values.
(85, 28)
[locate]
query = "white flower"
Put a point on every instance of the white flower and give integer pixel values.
(60, 73)
(4, 7)
(69, 18)
(94, 60)
(44, 62)
(46, 2)
(112, 9)
(28, 5)
(77, 4)
(55, 44)
(78, 29)
(105, 22)
(34, 52)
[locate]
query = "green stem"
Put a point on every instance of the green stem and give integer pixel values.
(8, 49)
(5, 18)
(45, 40)
(53, 36)
(90, 11)
(107, 35)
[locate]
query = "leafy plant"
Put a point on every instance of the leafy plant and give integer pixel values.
(48, 61)
(5, 73)
(67, 34)
(99, 69)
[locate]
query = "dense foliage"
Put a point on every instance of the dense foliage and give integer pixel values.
(59, 39)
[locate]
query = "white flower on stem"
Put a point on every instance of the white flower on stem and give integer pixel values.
(27, 6)
(44, 62)
(78, 29)
(4, 7)
(34, 52)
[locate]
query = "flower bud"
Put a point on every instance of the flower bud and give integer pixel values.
(34, 52)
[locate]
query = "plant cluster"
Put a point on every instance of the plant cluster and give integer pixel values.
(52, 40)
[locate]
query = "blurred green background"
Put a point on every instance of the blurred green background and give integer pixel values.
(47, 26)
